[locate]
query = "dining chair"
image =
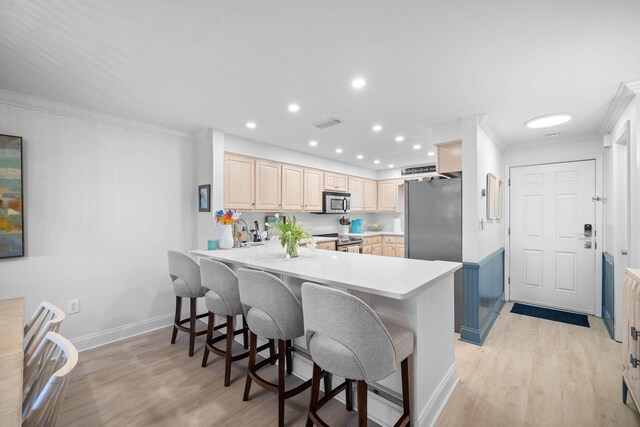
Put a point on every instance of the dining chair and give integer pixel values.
(46, 318)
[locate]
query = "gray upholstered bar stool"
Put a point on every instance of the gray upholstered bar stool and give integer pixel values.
(273, 312)
(185, 275)
(347, 338)
(223, 299)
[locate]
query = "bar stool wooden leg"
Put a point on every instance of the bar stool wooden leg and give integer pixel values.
(405, 368)
(176, 321)
(210, 322)
(315, 393)
(282, 353)
(245, 332)
(253, 342)
(192, 326)
(272, 351)
(289, 359)
(328, 379)
(362, 404)
(227, 357)
(349, 395)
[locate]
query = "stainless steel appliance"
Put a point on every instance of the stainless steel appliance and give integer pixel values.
(335, 202)
(433, 226)
(345, 243)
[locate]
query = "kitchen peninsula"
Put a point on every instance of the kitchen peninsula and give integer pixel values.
(414, 294)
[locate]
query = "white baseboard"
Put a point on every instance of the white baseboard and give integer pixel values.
(98, 339)
(440, 397)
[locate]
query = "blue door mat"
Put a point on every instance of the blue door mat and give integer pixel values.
(548, 314)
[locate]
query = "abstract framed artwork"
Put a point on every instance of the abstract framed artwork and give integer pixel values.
(204, 198)
(492, 188)
(11, 197)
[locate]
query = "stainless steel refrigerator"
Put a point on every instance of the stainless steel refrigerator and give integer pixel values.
(433, 226)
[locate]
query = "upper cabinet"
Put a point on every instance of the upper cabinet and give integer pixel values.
(335, 182)
(450, 157)
(239, 182)
(268, 177)
(356, 188)
(313, 184)
(390, 195)
(292, 188)
(370, 196)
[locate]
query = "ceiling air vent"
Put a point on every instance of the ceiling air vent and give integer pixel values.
(331, 121)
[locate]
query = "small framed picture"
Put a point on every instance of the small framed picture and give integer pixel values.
(204, 198)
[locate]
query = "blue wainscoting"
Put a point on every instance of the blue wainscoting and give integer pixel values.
(607, 292)
(482, 296)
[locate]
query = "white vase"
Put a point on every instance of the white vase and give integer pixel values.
(226, 237)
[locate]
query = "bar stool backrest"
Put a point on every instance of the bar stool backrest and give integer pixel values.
(42, 404)
(223, 283)
(46, 318)
(185, 275)
(272, 309)
(345, 336)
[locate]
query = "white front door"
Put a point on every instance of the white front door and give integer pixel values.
(552, 261)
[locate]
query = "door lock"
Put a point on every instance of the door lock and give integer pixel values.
(587, 245)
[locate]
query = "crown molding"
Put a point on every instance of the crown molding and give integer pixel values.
(624, 95)
(60, 109)
(492, 132)
(552, 142)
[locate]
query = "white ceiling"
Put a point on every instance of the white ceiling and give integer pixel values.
(194, 64)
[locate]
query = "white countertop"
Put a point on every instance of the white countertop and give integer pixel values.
(397, 278)
(319, 239)
(376, 233)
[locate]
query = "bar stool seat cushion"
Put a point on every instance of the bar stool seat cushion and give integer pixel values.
(402, 341)
(217, 305)
(183, 290)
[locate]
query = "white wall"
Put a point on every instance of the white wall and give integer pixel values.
(103, 204)
(489, 161)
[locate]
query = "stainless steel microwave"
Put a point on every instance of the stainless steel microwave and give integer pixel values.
(333, 202)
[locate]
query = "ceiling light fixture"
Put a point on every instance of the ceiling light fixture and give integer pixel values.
(251, 125)
(391, 165)
(548, 120)
(294, 108)
(417, 147)
(359, 157)
(376, 128)
(399, 138)
(431, 154)
(376, 161)
(358, 83)
(338, 150)
(313, 143)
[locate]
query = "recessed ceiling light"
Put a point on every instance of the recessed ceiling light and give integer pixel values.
(294, 108)
(391, 165)
(376, 161)
(376, 128)
(338, 150)
(313, 143)
(251, 125)
(399, 138)
(548, 120)
(431, 153)
(417, 147)
(358, 83)
(359, 157)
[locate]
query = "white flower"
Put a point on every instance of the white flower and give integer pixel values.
(277, 215)
(287, 256)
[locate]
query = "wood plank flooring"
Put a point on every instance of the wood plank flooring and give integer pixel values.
(530, 372)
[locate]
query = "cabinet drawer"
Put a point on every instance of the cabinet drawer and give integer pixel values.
(330, 246)
(389, 239)
(366, 241)
(400, 240)
(366, 249)
(376, 240)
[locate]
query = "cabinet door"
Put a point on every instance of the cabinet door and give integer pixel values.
(292, 188)
(388, 196)
(239, 181)
(370, 198)
(268, 185)
(330, 181)
(400, 251)
(313, 190)
(329, 246)
(450, 157)
(356, 188)
(366, 249)
(342, 183)
(376, 250)
(389, 249)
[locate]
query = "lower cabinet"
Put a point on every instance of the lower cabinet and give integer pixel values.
(630, 335)
(329, 246)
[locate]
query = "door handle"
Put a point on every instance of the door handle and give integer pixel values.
(624, 252)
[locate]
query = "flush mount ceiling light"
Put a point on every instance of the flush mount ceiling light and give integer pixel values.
(358, 83)
(359, 157)
(376, 161)
(548, 120)
(417, 147)
(294, 108)
(251, 125)
(399, 138)
(376, 128)
(431, 154)
(391, 165)
(313, 143)
(338, 150)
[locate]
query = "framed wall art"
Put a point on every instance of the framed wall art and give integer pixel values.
(492, 189)
(204, 198)
(11, 197)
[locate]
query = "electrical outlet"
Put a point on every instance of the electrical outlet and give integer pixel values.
(73, 306)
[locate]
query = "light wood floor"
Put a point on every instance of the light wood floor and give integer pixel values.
(530, 372)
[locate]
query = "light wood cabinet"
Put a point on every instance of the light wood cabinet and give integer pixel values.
(376, 249)
(239, 182)
(389, 198)
(370, 196)
(389, 249)
(313, 180)
(335, 182)
(292, 188)
(356, 188)
(630, 336)
(329, 246)
(268, 185)
(449, 157)
(399, 251)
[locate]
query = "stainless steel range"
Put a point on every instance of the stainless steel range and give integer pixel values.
(351, 244)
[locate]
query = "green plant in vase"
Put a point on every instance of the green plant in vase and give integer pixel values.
(291, 234)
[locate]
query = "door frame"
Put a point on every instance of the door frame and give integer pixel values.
(599, 225)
